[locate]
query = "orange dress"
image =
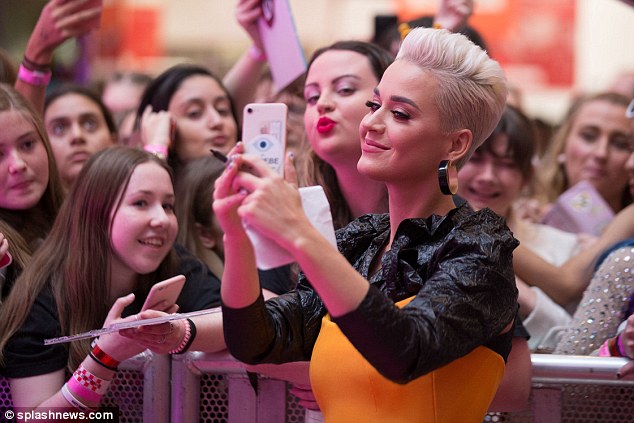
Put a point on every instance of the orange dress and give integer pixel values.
(348, 389)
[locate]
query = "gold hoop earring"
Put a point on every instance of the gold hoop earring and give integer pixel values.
(447, 177)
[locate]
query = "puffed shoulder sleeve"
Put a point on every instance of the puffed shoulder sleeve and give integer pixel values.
(466, 298)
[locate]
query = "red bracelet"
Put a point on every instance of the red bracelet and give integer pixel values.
(613, 347)
(101, 357)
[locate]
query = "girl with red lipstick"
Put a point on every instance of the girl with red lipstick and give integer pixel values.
(339, 79)
(113, 239)
(409, 318)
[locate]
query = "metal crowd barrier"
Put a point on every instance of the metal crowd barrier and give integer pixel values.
(575, 389)
(216, 388)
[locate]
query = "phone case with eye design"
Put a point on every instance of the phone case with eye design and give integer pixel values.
(264, 133)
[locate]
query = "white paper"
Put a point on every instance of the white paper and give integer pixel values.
(268, 254)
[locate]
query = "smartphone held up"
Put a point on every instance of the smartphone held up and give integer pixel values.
(264, 133)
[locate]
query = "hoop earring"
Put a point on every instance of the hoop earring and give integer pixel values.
(447, 177)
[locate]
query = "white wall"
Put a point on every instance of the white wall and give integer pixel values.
(604, 41)
(604, 36)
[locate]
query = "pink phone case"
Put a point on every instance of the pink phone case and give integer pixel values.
(281, 43)
(580, 209)
(264, 133)
(167, 290)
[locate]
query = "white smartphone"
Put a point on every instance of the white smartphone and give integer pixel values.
(167, 290)
(264, 132)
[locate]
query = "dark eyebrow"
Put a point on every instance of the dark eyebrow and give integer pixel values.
(399, 99)
(337, 79)
(28, 134)
(148, 192)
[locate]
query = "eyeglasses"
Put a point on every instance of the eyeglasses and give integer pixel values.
(629, 113)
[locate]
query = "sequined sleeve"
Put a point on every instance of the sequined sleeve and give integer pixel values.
(603, 305)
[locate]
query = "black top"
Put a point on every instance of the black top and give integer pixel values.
(278, 280)
(458, 267)
(26, 355)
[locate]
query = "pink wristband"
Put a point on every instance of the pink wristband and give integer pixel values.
(34, 77)
(256, 53)
(156, 149)
(604, 351)
(75, 387)
(619, 344)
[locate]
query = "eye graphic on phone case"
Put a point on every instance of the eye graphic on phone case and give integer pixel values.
(264, 133)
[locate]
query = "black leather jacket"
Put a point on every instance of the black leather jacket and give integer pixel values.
(459, 268)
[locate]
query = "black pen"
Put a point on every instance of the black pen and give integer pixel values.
(217, 154)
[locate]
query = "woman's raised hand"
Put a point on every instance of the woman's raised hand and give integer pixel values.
(453, 14)
(157, 128)
(272, 204)
(59, 21)
(247, 14)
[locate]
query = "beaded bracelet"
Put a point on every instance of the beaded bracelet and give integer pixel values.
(101, 357)
(34, 77)
(192, 336)
(185, 340)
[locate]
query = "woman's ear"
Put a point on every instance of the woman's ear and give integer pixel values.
(461, 141)
(206, 236)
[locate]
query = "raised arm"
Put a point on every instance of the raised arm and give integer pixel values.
(274, 207)
(567, 282)
(242, 79)
(58, 21)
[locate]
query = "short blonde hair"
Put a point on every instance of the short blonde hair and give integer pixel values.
(472, 88)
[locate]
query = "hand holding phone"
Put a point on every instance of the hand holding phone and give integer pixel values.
(164, 293)
(264, 133)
